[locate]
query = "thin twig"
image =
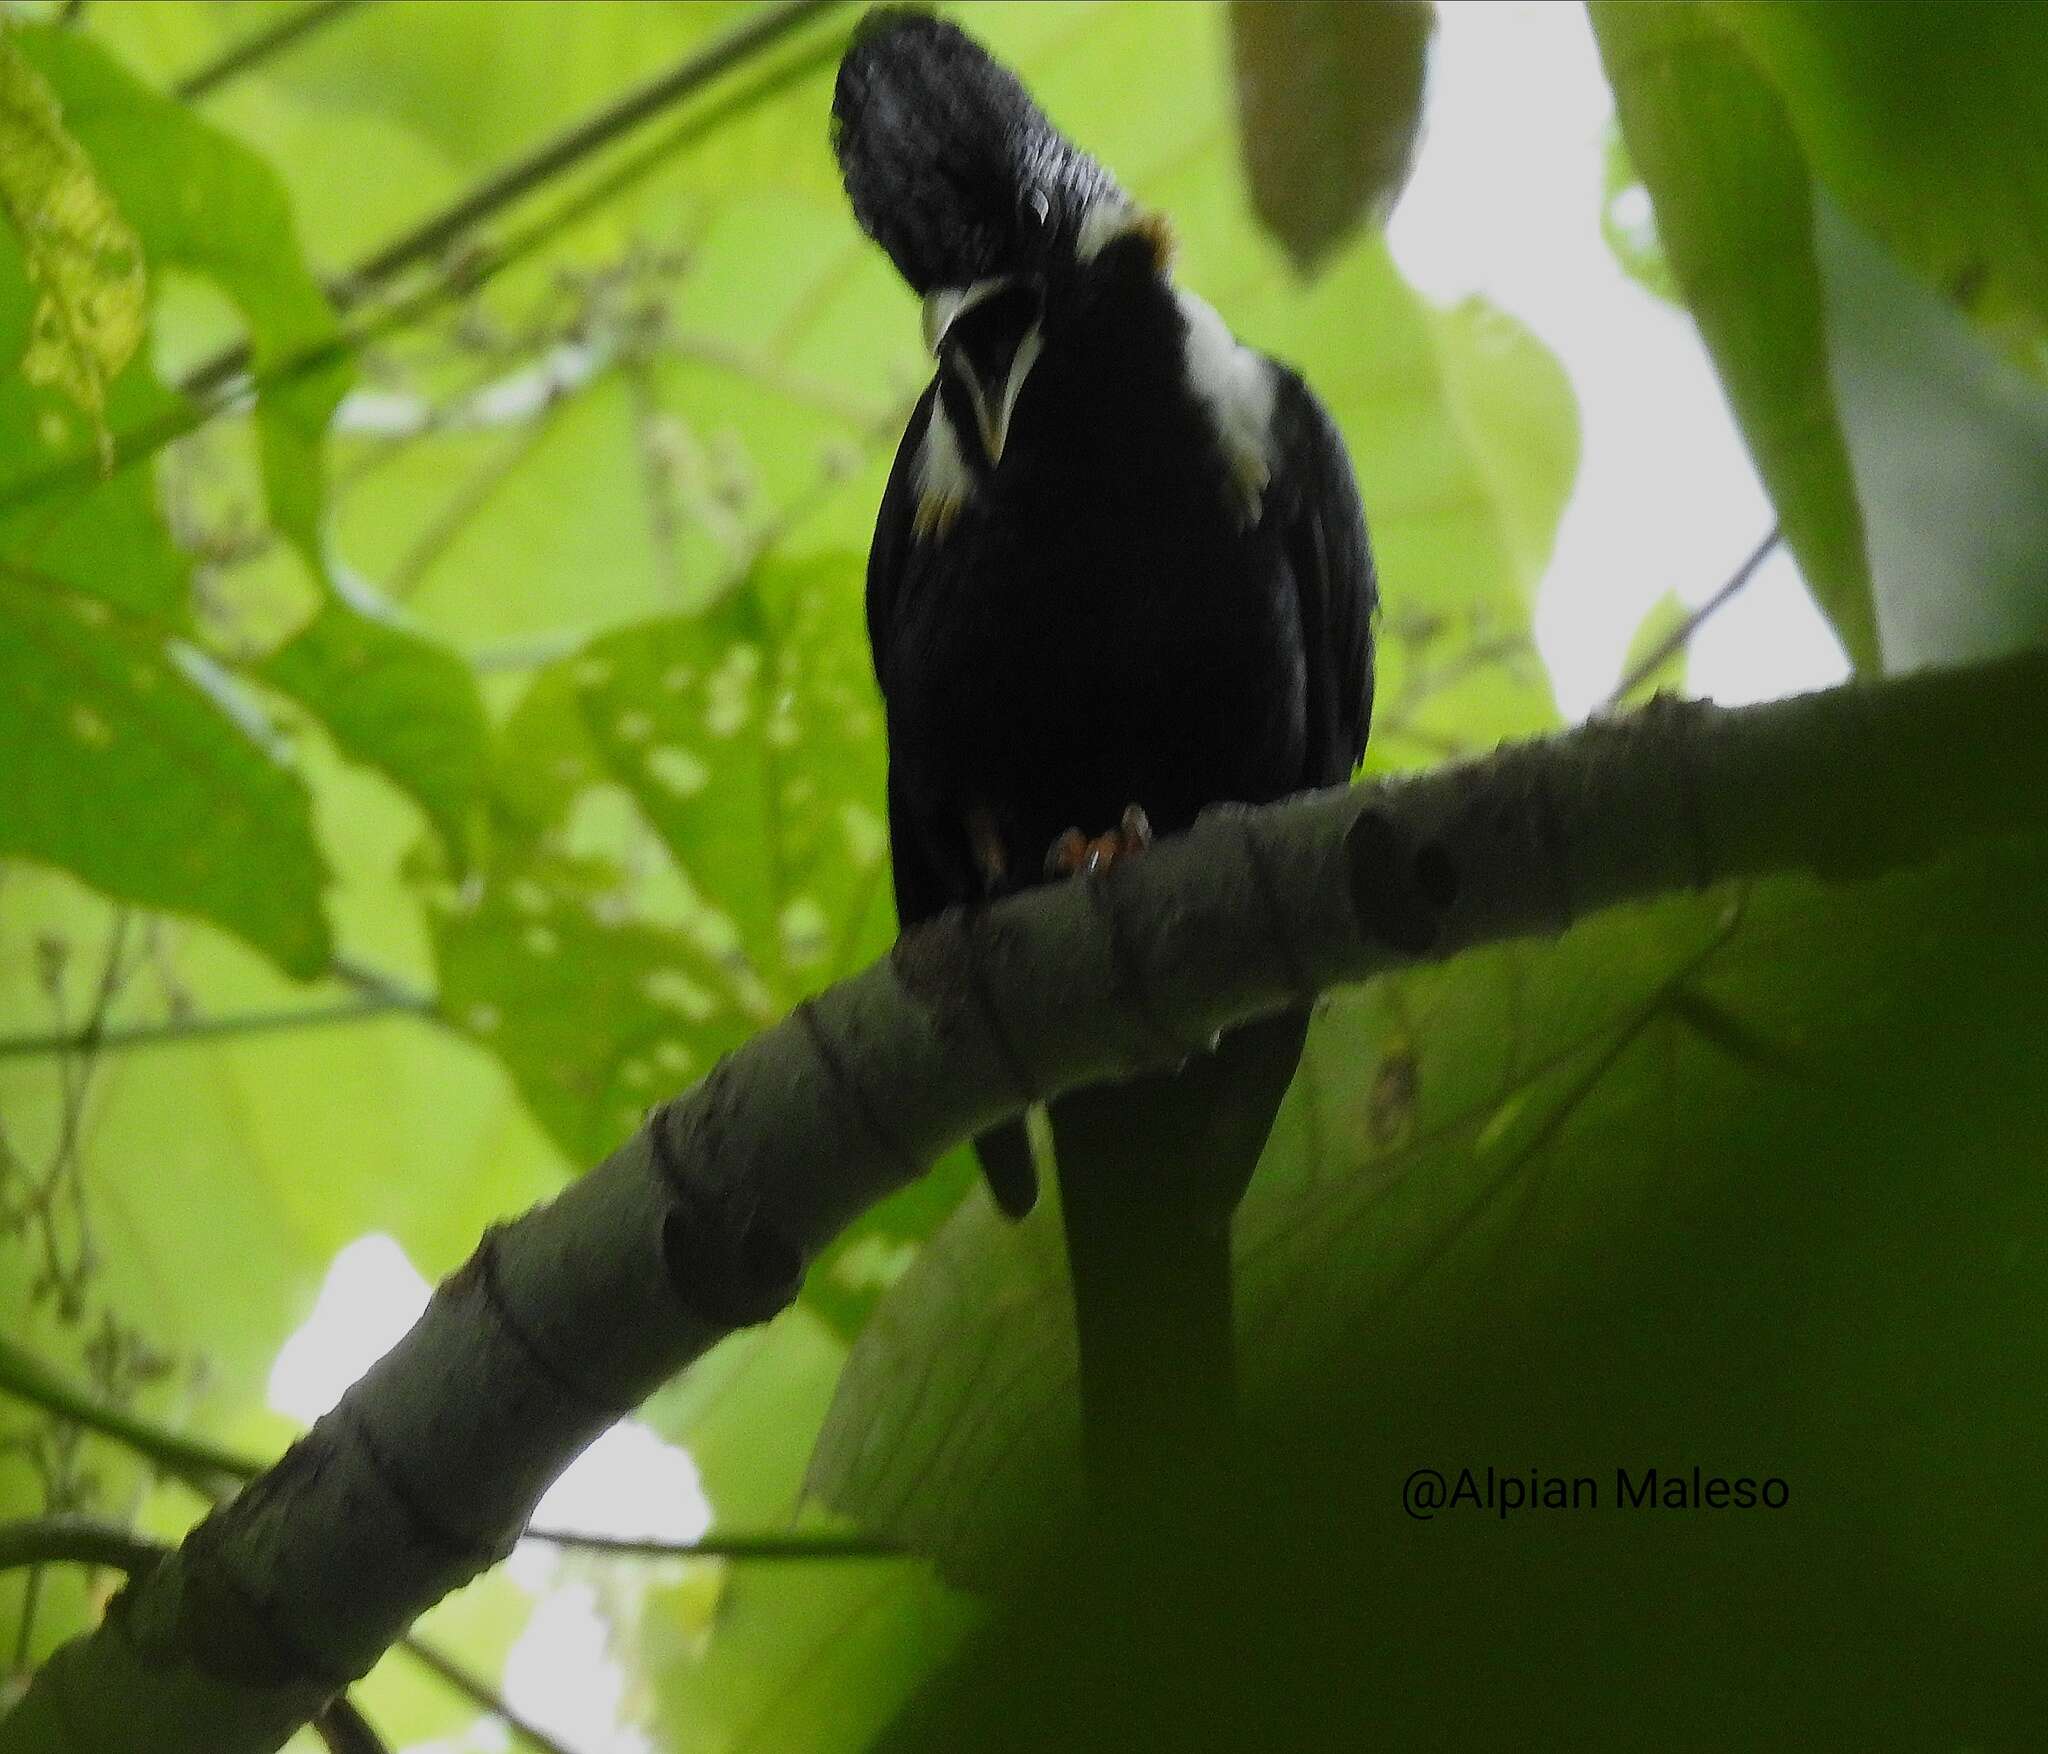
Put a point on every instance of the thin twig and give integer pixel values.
(76, 1540)
(203, 1465)
(144, 440)
(478, 1692)
(1680, 636)
(345, 1730)
(260, 46)
(713, 1546)
(174, 1029)
(432, 236)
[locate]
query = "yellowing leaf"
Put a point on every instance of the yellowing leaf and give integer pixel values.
(83, 260)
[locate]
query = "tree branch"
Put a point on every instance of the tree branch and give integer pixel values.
(702, 1222)
(260, 46)
(78, 1540)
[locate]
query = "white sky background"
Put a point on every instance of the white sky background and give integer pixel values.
(1505, 202)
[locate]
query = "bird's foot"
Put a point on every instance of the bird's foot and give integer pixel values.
(1075, 854)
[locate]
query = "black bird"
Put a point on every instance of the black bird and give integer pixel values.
(1120, 573)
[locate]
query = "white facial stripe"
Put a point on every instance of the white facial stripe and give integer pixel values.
(1025, 358)
(946, 306)
(944, 482)
(1236, 386)
(994, 423)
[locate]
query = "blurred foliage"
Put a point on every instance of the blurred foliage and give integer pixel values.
(1799, 157)
(1329, 99)
(483, 689)
(1735, 213)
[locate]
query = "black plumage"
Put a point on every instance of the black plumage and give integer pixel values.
(1132, 569)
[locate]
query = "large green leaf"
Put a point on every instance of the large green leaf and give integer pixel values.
(1950, 444)
(1930, 130)
(1701, 1181)
(1734, 208)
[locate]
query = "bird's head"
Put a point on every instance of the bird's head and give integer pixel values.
(1005, 228)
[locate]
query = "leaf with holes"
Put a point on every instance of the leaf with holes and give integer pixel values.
(597, 1015)
(749, 737)
(83, 260)
(123, 769)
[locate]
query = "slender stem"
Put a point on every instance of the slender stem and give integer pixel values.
(716, 1546)
(478, 1692)
(432, 236)
(259, 47)
(170, 1030)
(345, 1730)
(1680, 636)
(27, 1378)
(76, 1540)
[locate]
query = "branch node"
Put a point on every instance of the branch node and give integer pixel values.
(843, 1079)
(728, 1275)
(477, 1555)
(1128, 974)
(1294, 969)
(1398, 894)
(481, 1270)
(944, 965)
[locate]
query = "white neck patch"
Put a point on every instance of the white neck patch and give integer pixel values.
(1108, 217)
(943, 480)
(1236, 386)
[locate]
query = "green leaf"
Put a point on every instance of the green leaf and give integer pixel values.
(1734, 208)
(1329, 99)
(1699, 1179)
(596, 1015)
(1950, 444)
(129, 773)
(1931, 134)
(746, 739)
(817, 1657)
(1667, 615)
(1628, 222)
(201, 201)
(396, 701)
(82, 258)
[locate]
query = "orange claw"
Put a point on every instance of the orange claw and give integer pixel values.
(1074, 854)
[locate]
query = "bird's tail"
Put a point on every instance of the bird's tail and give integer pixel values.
(1150, 1172)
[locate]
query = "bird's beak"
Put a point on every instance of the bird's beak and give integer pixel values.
(988, 336)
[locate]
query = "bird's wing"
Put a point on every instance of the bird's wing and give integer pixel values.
(891, 552)
(1331, 559)
(925, 856)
